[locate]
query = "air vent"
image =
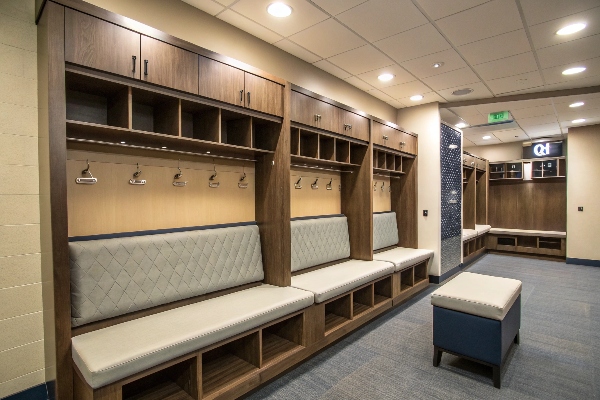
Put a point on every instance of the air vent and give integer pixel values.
(462, 92)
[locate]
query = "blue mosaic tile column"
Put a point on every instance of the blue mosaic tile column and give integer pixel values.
(451, 174)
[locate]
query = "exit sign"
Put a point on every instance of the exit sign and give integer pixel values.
(499, 116)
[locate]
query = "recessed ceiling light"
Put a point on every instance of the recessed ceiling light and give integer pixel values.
(572, 71)
(438, 64)
(122, 142)
(569, 29)
(461, 125)
(488, 137)
(164, 147)
(279, 10)
(208, 152)
(416, 97)
(385, 77)
(578, 104)
(578, 121)
(462, 92)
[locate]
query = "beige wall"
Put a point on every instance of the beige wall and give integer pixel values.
(425, 121)
(498, 152)
(21, 316)
(583, 190)
(186, 22)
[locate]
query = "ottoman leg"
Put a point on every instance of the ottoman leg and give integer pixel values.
(496, 376)
(518, 337)
(437, 356)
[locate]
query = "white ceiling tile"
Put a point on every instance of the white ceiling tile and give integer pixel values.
(513, 65)
(544, 134)
(359, 83)
(579, 113)
(304, 15)
(574, 51)
(459, 77)
(406, 89)
(479, 92)
(437, 9)
(554, 75)
(580, 97)
(532, 111)
(225, 2)
(429, 97)
(208, 6)
(544, 35)
(239, 21)
(466, 111)
(422, 67)
(297, 51)
(378, 19)
(538, 11)
(335, 7)
(515, 83)
(474, 120)
(585, 81)
(546, 128)
(588, 121)
(449, 117)
(327, 39)
(380, 95)
(535, 121)
(360, 60)
(513, 135)
(563, 109)
(332, 69)
(482, 142)
(415, 43)
(400, 76)
(468, 143)
(481, 22)
(485, 109)
(396, 103)
(495, 48)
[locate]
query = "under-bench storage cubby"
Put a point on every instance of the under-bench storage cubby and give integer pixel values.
(406, 279)
(544, 243)
(337, 313)
(282, 339)
(420, 273)
(382, 291)
(362, 300)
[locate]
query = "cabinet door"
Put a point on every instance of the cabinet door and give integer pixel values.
(408, 143)
(101, 45)
(329, 117)
(221, 81)
(378, 134)
(303, 109)
(169, 66)
(263, 95)
(355, 125)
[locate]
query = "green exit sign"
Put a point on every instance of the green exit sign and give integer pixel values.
(499, 116)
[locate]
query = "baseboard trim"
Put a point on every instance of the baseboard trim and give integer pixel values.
(439, 279)
(583, 261)
(39, 392)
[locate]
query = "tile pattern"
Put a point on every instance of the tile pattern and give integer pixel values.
(451, 176)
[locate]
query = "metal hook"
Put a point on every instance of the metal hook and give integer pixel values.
(212, 178)
(297, 185)
(329, 186)
(241, 183)
(314, 185)
(382, 185)
(86, 181)
(136, 174)
(178, 176)
(375, 186)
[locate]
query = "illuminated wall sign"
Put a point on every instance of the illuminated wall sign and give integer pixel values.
(540, 150)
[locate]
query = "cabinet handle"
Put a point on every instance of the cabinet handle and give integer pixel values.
(133, 59)
(385, 137)
(402, 144)
(350, 126)
(241, 96)
(146, 67)
(317, 117)
(248, 105)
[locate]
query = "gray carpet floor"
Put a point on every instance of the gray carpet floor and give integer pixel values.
(390, 358)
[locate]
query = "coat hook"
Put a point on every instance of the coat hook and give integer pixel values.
(297, 185)
(212, 178)
(178, 176)
(136, 174)
(241, 183)
(382, 185)
(329, 186)
(86, 181)
(375, 186)
(314, 185)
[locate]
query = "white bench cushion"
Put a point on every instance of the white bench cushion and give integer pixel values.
(107, 355)
(468, 234)
(403, 257)
(481, 229)
(525, 232)
(476, 294)
(334, 280)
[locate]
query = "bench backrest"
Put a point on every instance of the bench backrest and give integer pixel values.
(385, 230)
(111, 277)
(319, 241)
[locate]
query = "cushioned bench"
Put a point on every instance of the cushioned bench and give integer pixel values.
(481, 229)
(526, 232)
(468, 234)
(385, 234)
(113, 277)
(324, 240)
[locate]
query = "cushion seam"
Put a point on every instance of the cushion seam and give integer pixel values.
(473, 301)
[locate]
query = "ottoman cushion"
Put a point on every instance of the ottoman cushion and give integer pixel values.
(476, 294)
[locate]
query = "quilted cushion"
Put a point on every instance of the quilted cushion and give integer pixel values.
(334, 280)
(404, 257)
(385, 230)
(468, 234)
(319, 241)
(107, 355)
(112, 277)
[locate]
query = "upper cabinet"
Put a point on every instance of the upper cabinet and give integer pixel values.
(355, 125)
(263, 95)
(387, 136)
(170, 66)
(97, 44)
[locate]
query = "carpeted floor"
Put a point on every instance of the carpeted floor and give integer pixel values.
(558, 358)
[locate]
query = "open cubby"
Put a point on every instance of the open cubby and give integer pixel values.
(357, 153)
(420, 272)
(281, 339)
(507, 241)
(200, 121)
(326, 148)
(398, 163)
(295, 141)
(363, 300)
(381, 160)
(527, 241)
(466, 249)
(342, 150)
(265, 134)
(406, 279)
(179, 381)
(309, 144)
(390, 162)
(231, 361)
(337, 313)
(96, 101)
(382, 290)
(154, 112)
(236, 129)
(549, 243)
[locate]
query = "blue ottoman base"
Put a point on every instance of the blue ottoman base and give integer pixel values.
(479, 339)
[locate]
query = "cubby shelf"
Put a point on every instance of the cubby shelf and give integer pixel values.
(319, 148)
(388, 162)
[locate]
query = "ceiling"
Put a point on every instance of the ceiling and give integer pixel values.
(495, 47)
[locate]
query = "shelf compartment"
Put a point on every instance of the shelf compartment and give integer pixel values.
(381, 160)
(236, 129)
(357, 153)
(265, 134)
(527, 241)
(96, 101)
(406, 279)
(390, 162)
(507, 241)
(309, 144)
(382, 291)
(363, 301)
(200, 121)
(549, 243)
(295, 142)
(154, 112)
(326, 148)
(466, 249)
(398, 163)
(342, 150)
(230, 362)
(178, 382)
(282, 339)
(420, 273)
(337, 313)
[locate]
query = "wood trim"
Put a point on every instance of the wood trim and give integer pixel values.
(404, 203)
(80, 330)
(324, 132)
(320, 266)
